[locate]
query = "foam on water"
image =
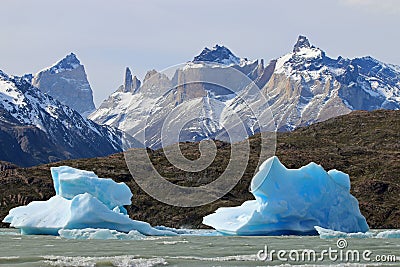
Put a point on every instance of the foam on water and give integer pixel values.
(120, 261)
(9, 232)
(191, 232)
(173, 242)
(9, 258)
(250, 257)
(179, 251)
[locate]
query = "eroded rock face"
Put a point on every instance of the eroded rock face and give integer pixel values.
(131, 84)
(67, 82)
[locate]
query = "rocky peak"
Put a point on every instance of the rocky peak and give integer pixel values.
(130, 84)
(28, 77)
(149, 74)
(3, 75)
(128, 80)
(67, 82)
(217, 54)
(70, 62)
(135, 84)
(302, 42)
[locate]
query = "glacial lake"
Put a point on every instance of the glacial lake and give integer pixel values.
(20, 250)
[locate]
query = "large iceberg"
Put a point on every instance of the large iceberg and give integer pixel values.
(292, 201)
(82, 201)
(69, 182)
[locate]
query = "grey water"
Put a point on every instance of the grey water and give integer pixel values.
(22, 250)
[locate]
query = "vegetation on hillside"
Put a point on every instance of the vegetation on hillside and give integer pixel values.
(363, 144)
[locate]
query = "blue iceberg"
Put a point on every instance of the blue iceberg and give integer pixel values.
(292, 201)
(82, 201)
(68, 183)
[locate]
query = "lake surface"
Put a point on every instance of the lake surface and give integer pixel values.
(20, 250)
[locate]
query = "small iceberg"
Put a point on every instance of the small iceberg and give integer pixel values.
(389, 234)
(328, 234)
(292, 202)
(82, 201)
(102, 234)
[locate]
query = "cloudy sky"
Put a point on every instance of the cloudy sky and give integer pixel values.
(107, 36)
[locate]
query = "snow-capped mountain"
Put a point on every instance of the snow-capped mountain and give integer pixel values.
(159, 94)
(67, 82)
(218, 54)
(307, 86)
(302, 87)
(35, 128)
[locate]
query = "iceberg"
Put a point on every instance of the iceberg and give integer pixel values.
(292, 201)
(389, 234)
(102, 234)
(329, 234)
(82, 201)
(69, 182)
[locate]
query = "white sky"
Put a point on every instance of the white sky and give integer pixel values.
(107, 36)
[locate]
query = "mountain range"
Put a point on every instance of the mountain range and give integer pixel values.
(300, 88)
(216, 95)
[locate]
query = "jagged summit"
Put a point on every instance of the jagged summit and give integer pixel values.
(304, 57)
(131, 84)
(67, 82)
(128, 80)
(217, 54)
(70, 62)
(302, 42)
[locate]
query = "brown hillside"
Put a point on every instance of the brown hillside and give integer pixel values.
(363, 144)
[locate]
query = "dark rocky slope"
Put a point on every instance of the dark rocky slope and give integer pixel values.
(37, 129)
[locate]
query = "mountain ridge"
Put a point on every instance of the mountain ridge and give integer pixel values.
(35, 128)
(302, 87)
